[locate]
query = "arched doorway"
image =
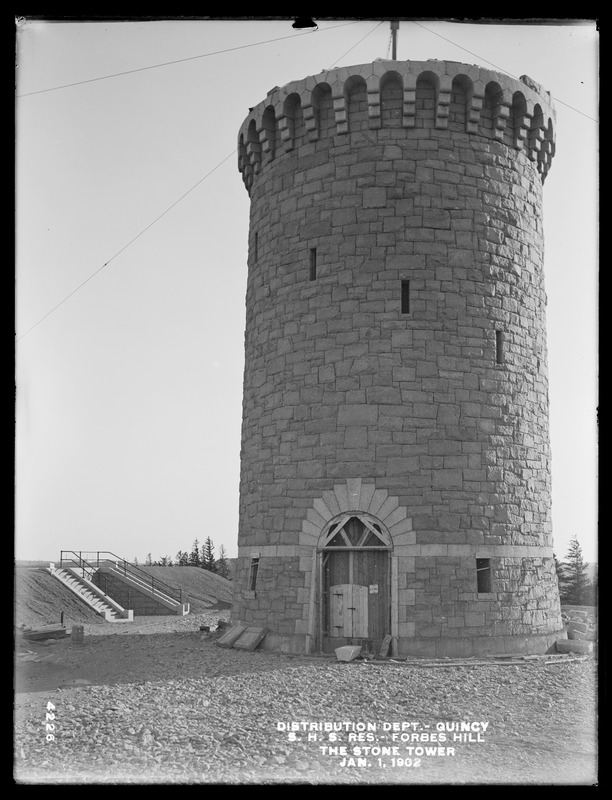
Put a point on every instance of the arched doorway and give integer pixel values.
(355, 583)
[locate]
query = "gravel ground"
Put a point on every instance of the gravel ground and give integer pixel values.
(174, 708)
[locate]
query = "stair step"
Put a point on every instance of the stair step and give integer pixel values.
(90, 596)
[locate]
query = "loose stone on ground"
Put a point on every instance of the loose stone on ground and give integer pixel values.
(175, 708)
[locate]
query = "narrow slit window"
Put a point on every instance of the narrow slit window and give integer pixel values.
(499, 347)
(313, 263)
(253, 574)
(405, 297)
(483, 575)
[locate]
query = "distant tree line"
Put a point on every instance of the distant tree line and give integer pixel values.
(203, 557)
(576, 588)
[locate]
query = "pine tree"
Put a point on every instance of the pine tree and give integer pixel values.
(148, 560)
(561, 576)
(182, 558)
(165, 561)
(591, 593)
(222, 565)
(577, 587)
(208, 555)
(194, 556)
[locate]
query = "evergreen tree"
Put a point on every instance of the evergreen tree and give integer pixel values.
(182, 558)
(591, 593)
(222, 565)
(165, 561)
(561, 576)
(135, 561)
(194, 556)
(577, 587)
(208, 555)
(148, 560)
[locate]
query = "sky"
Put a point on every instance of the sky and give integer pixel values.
(131, 263)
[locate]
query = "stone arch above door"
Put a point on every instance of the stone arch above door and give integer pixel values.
(356, 495)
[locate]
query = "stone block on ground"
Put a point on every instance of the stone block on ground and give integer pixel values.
(385, 646)
(228, 639)
(581, 627)
(251, 638)
(573, 646)
(348, 652)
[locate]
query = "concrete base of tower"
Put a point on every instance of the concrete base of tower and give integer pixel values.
(468, 647)
(456, 647)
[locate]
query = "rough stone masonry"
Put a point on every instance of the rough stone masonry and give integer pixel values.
(395, 473)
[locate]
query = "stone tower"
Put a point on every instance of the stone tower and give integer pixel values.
(395, 475)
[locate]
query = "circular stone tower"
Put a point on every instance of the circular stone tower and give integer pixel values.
(395, 476)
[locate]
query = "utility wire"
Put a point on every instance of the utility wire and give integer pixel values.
(501, 69)
(205, 55)
(355, 45)
(181, 60)
(281, 38)
(150, 225)
(125, 246)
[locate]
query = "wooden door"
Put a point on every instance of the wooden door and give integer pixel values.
(349, 611)
(371, 571)
(355, 598)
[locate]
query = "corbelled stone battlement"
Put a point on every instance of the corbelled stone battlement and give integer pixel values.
(404, 95)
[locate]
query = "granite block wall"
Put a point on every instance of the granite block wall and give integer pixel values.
(395, 350)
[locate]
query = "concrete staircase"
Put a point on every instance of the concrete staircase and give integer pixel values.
(79, 583)
(146, 588)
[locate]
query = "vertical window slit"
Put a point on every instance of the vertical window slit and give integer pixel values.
(483, 575)
(313, 263)
(405, 297)
(253, 574)
(499, 347)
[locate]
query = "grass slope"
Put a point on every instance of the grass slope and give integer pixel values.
(40, 598)
(200, 588)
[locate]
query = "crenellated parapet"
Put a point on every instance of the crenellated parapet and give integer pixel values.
(409, 95)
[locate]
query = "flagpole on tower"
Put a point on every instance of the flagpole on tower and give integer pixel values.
(394, 30)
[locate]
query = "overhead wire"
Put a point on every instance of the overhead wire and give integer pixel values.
(201, 180)
(355, 45)
(501, 69)
(180, 61)
(125, 246)
(150, 225)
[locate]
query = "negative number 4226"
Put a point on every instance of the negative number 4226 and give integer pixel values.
(49, 725)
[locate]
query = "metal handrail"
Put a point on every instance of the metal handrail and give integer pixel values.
(83, 564)
(133, 571)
